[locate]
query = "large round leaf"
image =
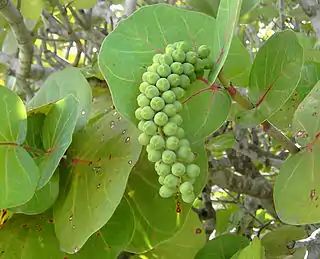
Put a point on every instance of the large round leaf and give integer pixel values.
(94, 177)
(296, 189)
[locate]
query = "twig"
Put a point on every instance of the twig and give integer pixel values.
(130, 7)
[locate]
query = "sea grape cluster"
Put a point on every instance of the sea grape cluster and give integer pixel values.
(161, 92)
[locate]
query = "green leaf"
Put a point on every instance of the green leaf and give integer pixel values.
(253, 251)
(221, 143)
(223, 218)
(59, 85)
(30, 8)
(310, 75)
(296, 188)
(275, 242)
(238, 54)
(94, 177)
(226, 22)
(209, 7)
(191, 237)
(57, 131)
(274, 77)
(222, 247)
(156, 217)
(82, 4)
(204, 113)
(306, 120)
(42, 200)
(131, 46)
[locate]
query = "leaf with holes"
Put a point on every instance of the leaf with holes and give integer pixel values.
(94, 178)
(226, 22)
(191, 237)
(123, 63)
(296, 188)
(222, 247)
(274, 77)
(18, 171)
(306, 120)
(57, 131)
(59, 85)
(42, 200)
(156, 217)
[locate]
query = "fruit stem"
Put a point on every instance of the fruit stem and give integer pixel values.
(266, 125)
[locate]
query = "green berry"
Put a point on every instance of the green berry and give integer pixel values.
(184, 46)
(179, 92)
(153, 68)
(178, 106)
(177, 68)
(170, 129)
(143, 139)
(178, 169)
(143, 86)
(177, 119)
(186, 178)
(190, 158)
(203, 51)
(183, 152)
(157, 103)
(150, 128)
(141, 125)
(149, 148)
(137, 113)
(166, 192)
(147, 113)
(174, 80)
(152, 91)
(143, 100)
(207, 63)
(180, 133)
(169, 49)
(191, 57)
(161, 180)
(171, 181)
(150, 77)
(186, 188)
(188, 68)
(166, 59)
(193, 170)
(184, 142)
(170, 110)
(169, 96)
(163, 84)
(184, 81)
(156, 57)
(188, 198)
(193, 77)
(169, 157)
(157, 142)
(178, 56)
(172, 143)
(160, 118)
(164, 70)
(162, 169)
(154, 155)
(199, 66)
(199, 74)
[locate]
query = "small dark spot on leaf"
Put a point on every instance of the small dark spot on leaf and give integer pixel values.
(65, 257)
(51, 221)
(24, 225)
(198, 231)
(2, 252)
(110, 156)
(98, 234)
(312, 194)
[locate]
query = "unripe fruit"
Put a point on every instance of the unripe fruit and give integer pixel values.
(169, 96)
(203, 51)
(172, 143)
(193, 170)
(157, 103)
(184, 142)
(180, 133)
(166, 59)
(199, 66)
(169, 157)
(184, 46)
(193, 77)
(177, 68)
(171, 181)
(191, 57)
(166, 192)
(141, 125)
(188, 198)
(186, 188)
(143, 100)
(151, 91)
(150, 77)
(178, 169)
(143, 139)
(186, 178)
(143, 86)
(149, 148)
(199, 74)
(176, 119)
(160, 118)
(178, 56)
(178, 106)
(162, 169)
(174, 80)
(169, 49)
(183, 152)
(170, 110)
(157, 142)
(153, 68)
(137, 113)
(188, 68)
(184, 81)
(170, 129)
(190, 158)
(161, 179)
(150, 128)
(179, 92)
(207, 63)
(155, 58)
(163, 84)
(147, 113)
(164, 70)
(154, 155)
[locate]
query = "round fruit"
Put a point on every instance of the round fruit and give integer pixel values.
(169, 49)
(156, 57)
(143, 100)
(153, 67)
(186, 188)
(178, 106)
(170, 129)
(147, 113)
(191, 57)
(207, 63)
(163, 84)
(193, 170)
(178, 169)
(188, 68)
(172, 143)
(164, 70)
(166, 59)
(157, 103)
(150, 77)
(188, 198)
(184, 142)
(177, 119)
(177, 68)
(169, 96)
(183, 152)
(143, 139)
(157, 142)
(160, 118)
(161, 179)
(141, 125)
(171, 181)
(178, 55)
(166, 192)
(154, 155)
(151, 91)
(143, 86)
(203, 51)
(180, 133)
(184, 46)
(179, 92)
(199, 66)
(168, 157)
(150, 128)
(184, 81)
(162, 169)
(170, 110)
(174, 80)
(137, 113)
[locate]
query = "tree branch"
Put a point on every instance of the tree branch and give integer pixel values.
(312, 9)
(23, 37)
(130, 7)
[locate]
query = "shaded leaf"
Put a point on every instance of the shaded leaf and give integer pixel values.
(310, 75)
(221, 143)
(223, 218)
(30, 8)
(253, 251)
(209, 7)
(82, 4)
